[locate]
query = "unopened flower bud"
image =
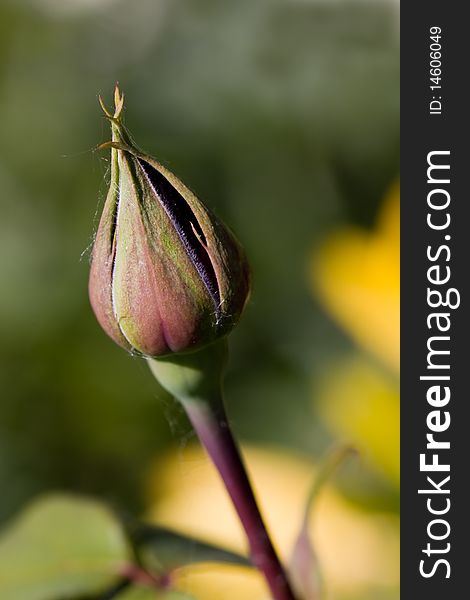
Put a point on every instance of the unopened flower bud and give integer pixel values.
(166, 275)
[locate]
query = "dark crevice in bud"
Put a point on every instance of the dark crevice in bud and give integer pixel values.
(187, 227)
(114, 218)
(112, 231)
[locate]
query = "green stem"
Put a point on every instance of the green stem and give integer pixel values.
(196, 381)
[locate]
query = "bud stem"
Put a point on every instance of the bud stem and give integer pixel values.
(196, 381)
(211, 425)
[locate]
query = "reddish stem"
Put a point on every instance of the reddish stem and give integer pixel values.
(212, 427)
(136, 574)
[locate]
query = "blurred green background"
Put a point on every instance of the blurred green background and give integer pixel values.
(282, 115)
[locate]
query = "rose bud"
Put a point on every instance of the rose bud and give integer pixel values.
(166, 275)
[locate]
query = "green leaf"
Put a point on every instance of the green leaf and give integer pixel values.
(141, 593)
(61, 547)
(161, 550)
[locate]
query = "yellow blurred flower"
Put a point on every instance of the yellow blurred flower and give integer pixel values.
(361, 404)
(358, 552)
(356, 275)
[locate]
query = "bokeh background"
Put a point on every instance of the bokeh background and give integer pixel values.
(283, 116)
